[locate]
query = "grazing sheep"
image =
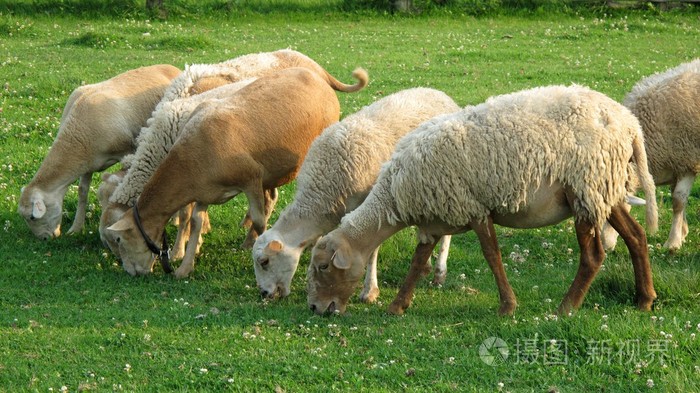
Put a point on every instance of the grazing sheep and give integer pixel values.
(252, 142)
(668, 108)
(163, 129)
(99, 125)
(336, 176)
(523, 160)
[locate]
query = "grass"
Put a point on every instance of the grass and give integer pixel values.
(73, 320)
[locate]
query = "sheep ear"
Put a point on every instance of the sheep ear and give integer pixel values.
(120, 226)
(273, 247)
(340, 260)
(38, 209)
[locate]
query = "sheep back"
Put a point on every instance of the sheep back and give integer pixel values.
(488, 158)
(345, 159)
(668, 108)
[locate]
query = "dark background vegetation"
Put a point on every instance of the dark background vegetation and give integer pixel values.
(187, 8)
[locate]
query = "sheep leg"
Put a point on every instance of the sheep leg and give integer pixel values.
(489, 248)
(590, 260)
(679, 225)
(197, 219)
(440, 269)
(183, 231)
(608, 234)
(635, 239)
(420, 266)
(206, 224)
(271, 196)
(83, 189)
(370, 290)
(256, 208)
(246, 222)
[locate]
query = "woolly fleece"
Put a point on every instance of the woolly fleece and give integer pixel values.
(487, 158)
(668, 108)
(345, 159)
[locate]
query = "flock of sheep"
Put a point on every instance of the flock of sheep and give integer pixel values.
(188, 139)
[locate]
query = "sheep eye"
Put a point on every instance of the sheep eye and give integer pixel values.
(323, 267)
(119, 239)
(264, 262)
(32, 217)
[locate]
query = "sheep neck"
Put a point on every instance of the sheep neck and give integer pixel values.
(297, 231)
(57, 173)
(369, 225)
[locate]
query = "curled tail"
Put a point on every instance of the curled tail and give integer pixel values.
(359, 74)
(647, 183)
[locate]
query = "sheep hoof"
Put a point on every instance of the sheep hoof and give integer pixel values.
(672, 247)
(507, 309)
(396, 309)
(565, 309)
(182, 273)
(74, 229)
(369, 296)
(439, 279)
(645, 303)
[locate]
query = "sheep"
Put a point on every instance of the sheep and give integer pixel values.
(251, 142)
(667, 106)
(337, 174)
(522, 160)
(99, 125)
(163, 129)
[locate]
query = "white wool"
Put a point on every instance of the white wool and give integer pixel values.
(668, 108)
(344, 161)
(489, 157)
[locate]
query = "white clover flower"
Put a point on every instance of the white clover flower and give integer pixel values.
(203, 370)
(650, 383)
(127, 367)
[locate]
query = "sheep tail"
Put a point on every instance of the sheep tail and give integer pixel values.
(359, 74)
(647, 183)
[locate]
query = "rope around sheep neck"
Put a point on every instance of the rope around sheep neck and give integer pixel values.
(162, 252)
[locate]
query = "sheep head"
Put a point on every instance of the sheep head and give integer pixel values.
(333, 274)
(135, 255)
(275, 263)
(42, 212)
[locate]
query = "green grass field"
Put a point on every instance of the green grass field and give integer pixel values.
(72, 320)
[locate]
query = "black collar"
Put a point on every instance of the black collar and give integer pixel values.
(162, 252)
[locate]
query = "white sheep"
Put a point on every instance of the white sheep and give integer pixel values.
(336, 176)
(523, 160)
(99, 125)
(668, 108)
(249, 143)
(163, 128)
